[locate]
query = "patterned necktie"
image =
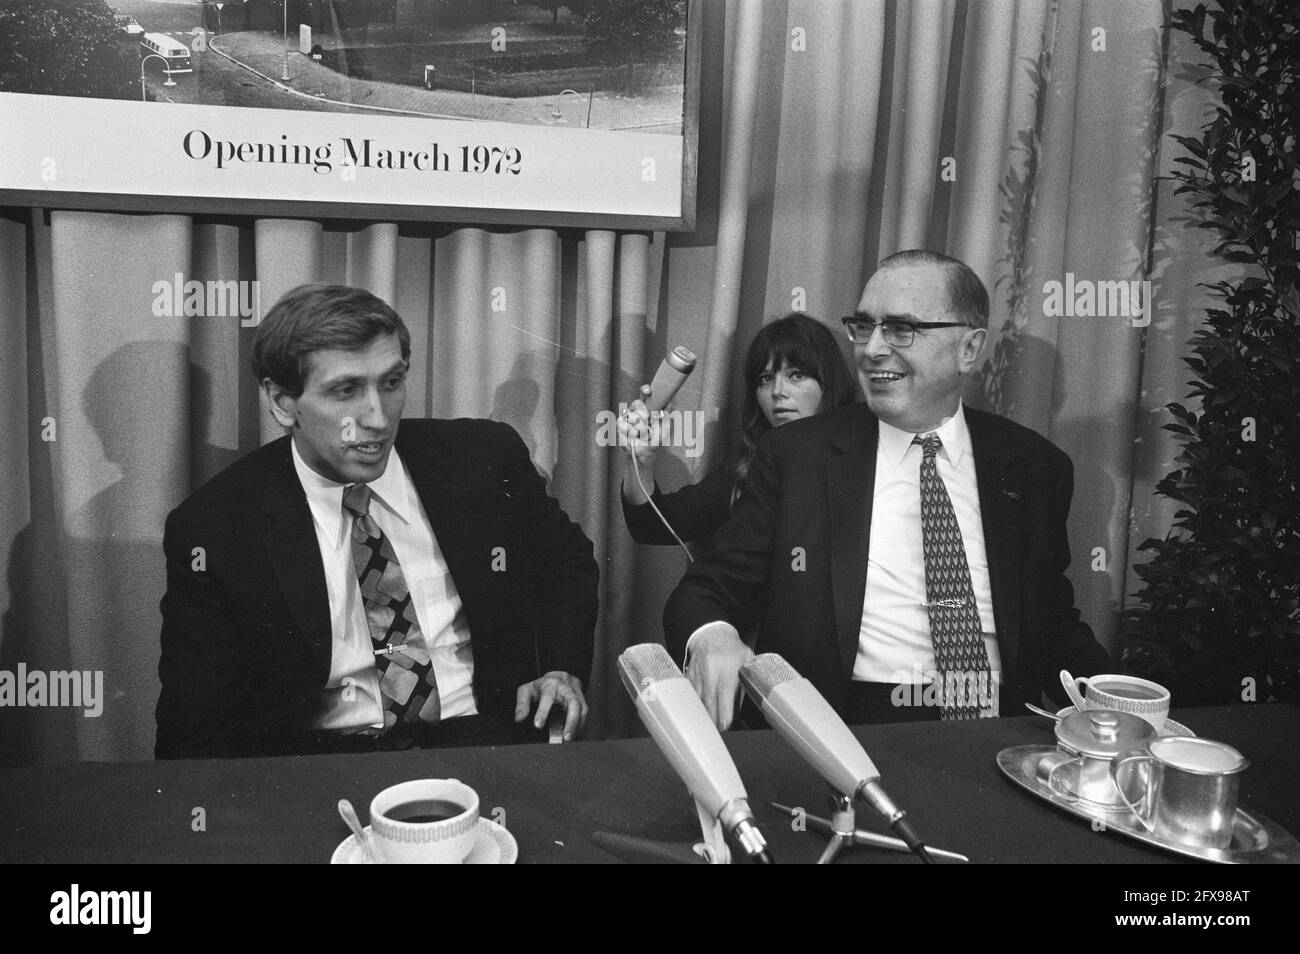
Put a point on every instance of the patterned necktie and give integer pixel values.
(406, 679)
(955, 628)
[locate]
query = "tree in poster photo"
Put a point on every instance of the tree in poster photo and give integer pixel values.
(66, 48)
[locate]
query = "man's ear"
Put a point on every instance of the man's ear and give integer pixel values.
(283, 404)
(971, 346)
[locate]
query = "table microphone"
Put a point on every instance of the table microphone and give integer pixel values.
(793, 706)
(681, 727)
(672, 374)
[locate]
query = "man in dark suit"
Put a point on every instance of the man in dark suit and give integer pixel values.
(356, 585)
(908, 556)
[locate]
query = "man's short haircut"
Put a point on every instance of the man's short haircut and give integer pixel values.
(967, 296)
(319, 318)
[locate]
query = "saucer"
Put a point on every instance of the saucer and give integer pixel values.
(493, 845)
(1256, 839)
(1171, 728)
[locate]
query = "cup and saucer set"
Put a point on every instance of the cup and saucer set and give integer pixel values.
(1119, 760)
(425, 821)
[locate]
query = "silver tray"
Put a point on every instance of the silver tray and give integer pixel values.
(1255, 839)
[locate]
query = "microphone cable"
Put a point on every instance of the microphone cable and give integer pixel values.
(636, 472)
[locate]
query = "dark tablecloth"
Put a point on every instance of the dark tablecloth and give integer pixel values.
(552, 797)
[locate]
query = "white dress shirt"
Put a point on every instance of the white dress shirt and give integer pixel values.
(894, 643)
(351, 696)
(894, 639)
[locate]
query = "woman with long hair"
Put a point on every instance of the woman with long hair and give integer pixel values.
(794, 368)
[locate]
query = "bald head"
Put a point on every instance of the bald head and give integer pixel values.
(966, 296)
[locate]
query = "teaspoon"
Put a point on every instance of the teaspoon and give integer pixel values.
(1039, 710)
(349, 815)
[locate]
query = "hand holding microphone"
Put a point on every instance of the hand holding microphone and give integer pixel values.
(640, 431)
(639, 428)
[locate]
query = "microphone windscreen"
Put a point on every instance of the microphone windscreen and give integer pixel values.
(672, 374)
(680, 725)
(793, 706)
(764, 673)
(645, 664)
(683, 359)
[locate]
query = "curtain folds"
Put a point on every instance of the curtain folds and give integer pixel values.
(833, 133)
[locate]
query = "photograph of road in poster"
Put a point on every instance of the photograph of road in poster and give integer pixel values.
(617, 66)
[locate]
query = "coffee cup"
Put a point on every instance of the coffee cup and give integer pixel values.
(1190, 792)
(425, 821)
(1141, 697)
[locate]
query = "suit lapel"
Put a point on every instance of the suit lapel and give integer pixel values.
(427, 466)
(850, 483)
(290, 537)
(1001, 496)
(293, 550)
(429, 459)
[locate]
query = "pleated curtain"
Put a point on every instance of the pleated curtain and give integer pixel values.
(1009, 133)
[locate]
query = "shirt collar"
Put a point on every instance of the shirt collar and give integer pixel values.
(392, 490)
(952, 431)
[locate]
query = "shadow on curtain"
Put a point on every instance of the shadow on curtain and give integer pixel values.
(1012, 135)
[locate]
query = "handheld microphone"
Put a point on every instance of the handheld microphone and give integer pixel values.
(793, 706)
(672, 374)
(681, 727)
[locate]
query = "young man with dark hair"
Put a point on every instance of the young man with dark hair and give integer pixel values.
(360, 585)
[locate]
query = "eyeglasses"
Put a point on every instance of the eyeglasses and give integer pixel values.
(897, 333)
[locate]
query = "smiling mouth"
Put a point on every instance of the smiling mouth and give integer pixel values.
(884, 377)
(373, 447)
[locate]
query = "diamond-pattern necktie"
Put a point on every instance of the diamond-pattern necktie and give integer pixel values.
(955, 628)
(406, 679)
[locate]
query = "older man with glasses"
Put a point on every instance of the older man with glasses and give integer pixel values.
(907, 556)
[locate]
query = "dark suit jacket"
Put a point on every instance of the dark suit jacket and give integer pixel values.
(695, 511)
(246, 632)
(810, 487)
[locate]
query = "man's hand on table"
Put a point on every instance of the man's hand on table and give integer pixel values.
(715, 654)
(554, 688)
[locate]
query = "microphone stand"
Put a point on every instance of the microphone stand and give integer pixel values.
(842, 827)
(645, 851)
(713, 849)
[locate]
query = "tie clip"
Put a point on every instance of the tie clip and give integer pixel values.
(389, 650)
(946, 604)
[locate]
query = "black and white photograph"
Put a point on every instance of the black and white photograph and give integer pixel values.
(653, 432)
(526, 113)
(515, 60)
